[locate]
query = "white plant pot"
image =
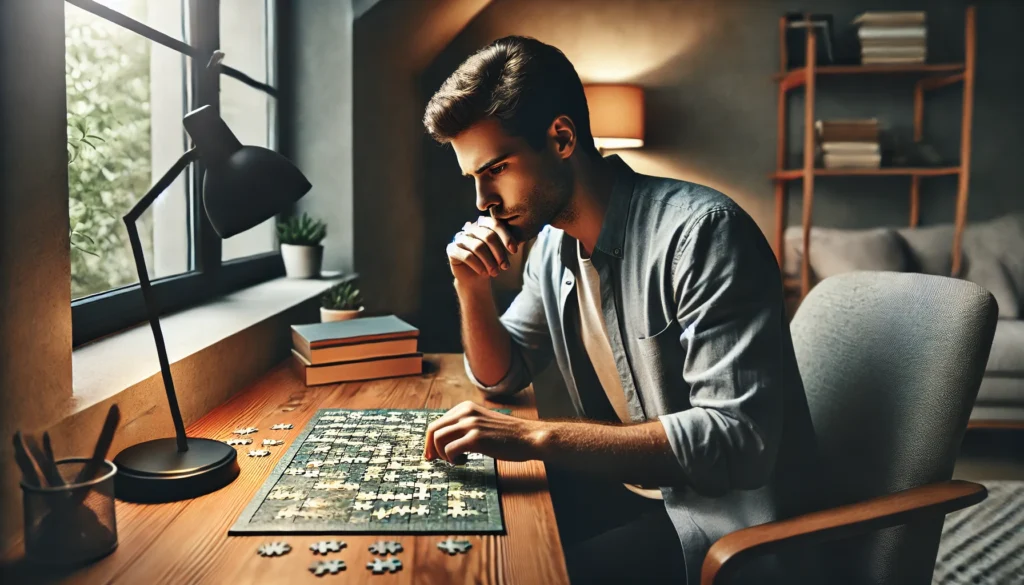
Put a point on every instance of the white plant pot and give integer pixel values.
(339, 315)
(302, 261)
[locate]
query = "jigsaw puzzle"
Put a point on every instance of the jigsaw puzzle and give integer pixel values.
(362, 471)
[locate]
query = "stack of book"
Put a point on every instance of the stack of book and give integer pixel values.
(892, 37)
(358, 349)
(849, 144)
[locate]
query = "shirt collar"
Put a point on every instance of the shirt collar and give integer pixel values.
(612, 238)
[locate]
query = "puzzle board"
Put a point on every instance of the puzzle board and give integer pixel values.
(362, 471)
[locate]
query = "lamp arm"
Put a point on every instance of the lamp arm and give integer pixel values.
(165, 40)
(147, 292)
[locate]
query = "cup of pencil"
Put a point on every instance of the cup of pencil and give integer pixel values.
(68, 503)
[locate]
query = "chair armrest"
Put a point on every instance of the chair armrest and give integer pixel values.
(842, 522)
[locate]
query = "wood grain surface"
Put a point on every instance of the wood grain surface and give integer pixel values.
(187, 542)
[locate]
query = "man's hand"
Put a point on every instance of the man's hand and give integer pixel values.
(471, 428)
(480, 251)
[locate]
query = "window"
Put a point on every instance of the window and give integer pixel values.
(126, 96)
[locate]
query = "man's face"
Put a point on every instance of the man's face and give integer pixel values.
(523, 187)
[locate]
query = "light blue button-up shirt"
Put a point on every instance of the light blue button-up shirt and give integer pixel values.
(693, 304)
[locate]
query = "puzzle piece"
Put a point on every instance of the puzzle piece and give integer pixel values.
(381, 513)
(258, 453)
(321, 568)
(282, 427)
(378, 566)
(460, 513)
(245, 431)
(363, 505)
(281, 493)
(274, 549)
(294, 471)
(386, 547)
(271, 442)
(325, 546)
(311, 473)
(421, 510)
(234, 442)
(454, 547)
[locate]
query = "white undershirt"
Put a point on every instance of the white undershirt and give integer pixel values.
(599, 349)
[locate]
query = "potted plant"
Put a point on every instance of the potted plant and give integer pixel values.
(341, 302)
(300, 238)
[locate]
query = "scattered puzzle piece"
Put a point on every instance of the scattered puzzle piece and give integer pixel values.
(321, 568)
(245, 431)
(378, 566)
(325, 546)
(274, 549)
(454, 547)
(239, 442)
(282, 427)
(258, 453)
(386, 547)
(271, 442)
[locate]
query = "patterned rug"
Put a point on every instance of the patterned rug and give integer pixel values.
(984, 544)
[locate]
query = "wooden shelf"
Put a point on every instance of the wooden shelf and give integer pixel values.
(909, 68)
(797, 174)
(926, 77)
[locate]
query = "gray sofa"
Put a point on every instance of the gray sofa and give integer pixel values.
(993, 257)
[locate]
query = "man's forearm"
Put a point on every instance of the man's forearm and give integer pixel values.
(639, 454)
(487, 343)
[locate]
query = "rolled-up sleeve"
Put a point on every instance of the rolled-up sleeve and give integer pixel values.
(730, 308)
(527, 325)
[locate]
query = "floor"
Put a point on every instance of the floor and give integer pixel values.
(991, 454)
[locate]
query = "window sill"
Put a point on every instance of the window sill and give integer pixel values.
(215, 349)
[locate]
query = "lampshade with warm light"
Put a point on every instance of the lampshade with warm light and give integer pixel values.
(616, 115)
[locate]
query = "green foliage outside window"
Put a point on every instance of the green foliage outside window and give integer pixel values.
(109, 153)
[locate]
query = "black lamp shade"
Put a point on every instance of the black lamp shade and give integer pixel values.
(244, 185)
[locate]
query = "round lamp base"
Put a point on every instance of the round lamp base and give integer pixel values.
(155, 471)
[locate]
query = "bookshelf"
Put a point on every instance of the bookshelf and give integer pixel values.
(932, 76)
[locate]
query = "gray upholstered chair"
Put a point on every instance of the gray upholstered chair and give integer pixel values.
(891, 364)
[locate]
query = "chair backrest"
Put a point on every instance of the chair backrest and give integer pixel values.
(891, 365)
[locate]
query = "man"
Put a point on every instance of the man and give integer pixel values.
(660, 301)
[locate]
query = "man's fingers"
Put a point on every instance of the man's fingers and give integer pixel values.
(449, 418)
(460, 255)
(455, 451)
(493, 242)
(499, 227)
(448, 434)
(480, 249)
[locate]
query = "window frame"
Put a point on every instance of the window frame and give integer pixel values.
(107, 312)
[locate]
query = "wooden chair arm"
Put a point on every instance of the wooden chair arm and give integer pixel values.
(843, 522)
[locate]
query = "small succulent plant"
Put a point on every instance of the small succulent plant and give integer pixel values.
(301, 230)
(342, 297)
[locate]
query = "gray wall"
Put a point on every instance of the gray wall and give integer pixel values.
(316, 111)
(707, 68)
(35, 266)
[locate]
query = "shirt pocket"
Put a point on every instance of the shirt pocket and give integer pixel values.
(661, 366)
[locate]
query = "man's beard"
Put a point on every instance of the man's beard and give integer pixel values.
(549, 202)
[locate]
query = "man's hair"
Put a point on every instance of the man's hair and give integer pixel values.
(522, 82)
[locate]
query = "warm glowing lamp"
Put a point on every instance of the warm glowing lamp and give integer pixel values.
(616, 115)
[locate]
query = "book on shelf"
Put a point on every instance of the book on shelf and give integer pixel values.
(842, 130)
(892, 37)
(890, 17)
(850, 147)
(355, 339)
(852, 161)
(353, 371)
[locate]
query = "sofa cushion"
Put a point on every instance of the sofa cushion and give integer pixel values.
(1007, 354)
(835, 251)
(993, 256)
(929, 249)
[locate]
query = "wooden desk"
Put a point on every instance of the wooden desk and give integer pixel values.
(187, 542)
